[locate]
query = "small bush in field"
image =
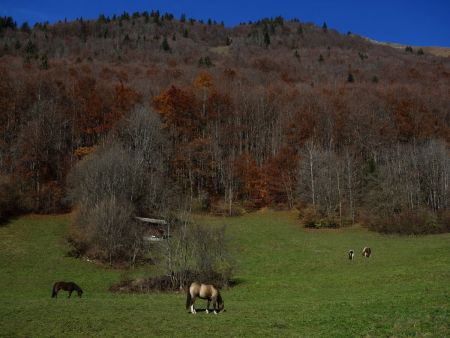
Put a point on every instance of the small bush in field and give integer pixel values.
(311, 218)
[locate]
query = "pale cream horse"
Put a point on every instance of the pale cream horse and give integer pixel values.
(204, 291)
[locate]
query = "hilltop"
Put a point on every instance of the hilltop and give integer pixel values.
(433, 50)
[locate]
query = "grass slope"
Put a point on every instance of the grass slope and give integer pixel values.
(292, 282)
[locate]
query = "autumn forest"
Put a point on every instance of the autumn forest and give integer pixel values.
(145, 112)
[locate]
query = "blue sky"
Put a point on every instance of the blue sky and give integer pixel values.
(412, 22)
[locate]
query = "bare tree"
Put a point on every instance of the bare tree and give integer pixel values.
(124, 177)
(112, 222)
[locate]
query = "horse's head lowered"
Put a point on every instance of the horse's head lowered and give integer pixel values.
(220, 303)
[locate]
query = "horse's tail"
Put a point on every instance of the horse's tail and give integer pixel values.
(54, 290)
(188, 299)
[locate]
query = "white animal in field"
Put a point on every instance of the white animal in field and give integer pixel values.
(351, 255)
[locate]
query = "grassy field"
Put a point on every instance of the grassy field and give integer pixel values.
(292, 282)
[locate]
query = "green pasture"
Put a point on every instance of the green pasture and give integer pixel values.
(292, 282)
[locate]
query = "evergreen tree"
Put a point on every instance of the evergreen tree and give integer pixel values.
(183, 18)
(420, 52)
(25, 27)
(300, 29)
(125, 16)
(205, 62)
(165, 45)
(44, 62)
(7, 22)
(168, 16)
(350, 78)
(266, 38)
(156, 18)
(185, 33)
(101, 19)
(30, 48)
(325, 27)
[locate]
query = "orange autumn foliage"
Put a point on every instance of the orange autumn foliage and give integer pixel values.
(252, 183)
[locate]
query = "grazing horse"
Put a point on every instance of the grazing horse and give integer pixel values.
(66, 286)
(351, 255)
(366, 252)
(204, 291)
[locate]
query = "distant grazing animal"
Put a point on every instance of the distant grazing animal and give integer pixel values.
(366, 252)
(204, 291)
(66, 286)
(351, 254)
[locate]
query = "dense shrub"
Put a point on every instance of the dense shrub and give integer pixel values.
(411, 222)
(9, 198)
(164, 283)
(52, 199)
(311, 218)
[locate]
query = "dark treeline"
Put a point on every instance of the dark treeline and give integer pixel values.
(271, 113)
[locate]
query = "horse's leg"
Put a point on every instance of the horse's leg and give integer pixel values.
(214, 300)
(70, 293)
(192, 306)
(207, 306)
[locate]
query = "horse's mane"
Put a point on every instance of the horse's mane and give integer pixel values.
(76, 287)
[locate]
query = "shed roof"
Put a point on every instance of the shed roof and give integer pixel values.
(151, 220)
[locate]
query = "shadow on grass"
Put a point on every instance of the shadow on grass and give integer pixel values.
(164, 283)
(211, 311)
(235, 282)
(4, 222)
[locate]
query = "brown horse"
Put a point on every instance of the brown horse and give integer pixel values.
(204, 291)
(366, 252)
(66, 286)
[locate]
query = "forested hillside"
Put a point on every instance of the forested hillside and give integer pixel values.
(269, 113)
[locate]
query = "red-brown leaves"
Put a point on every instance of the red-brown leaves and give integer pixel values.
(252, 184)
(178, 109)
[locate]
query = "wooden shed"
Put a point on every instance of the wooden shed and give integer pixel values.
(155, 230)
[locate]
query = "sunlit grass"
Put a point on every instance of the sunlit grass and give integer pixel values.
(292, 282)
